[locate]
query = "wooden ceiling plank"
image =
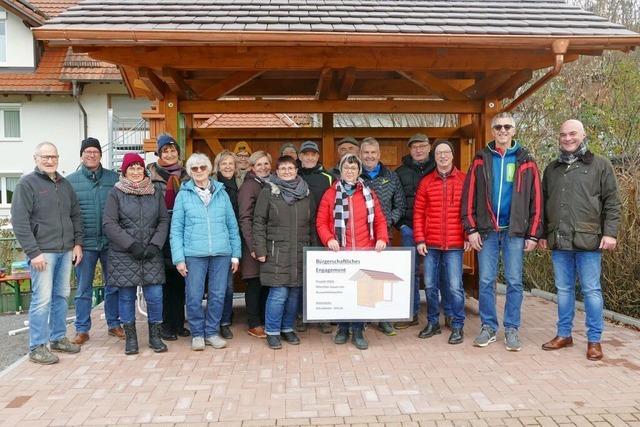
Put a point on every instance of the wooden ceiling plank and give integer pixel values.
(229, 84)
(434, 84)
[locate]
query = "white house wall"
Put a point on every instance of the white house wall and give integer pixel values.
(19, 43)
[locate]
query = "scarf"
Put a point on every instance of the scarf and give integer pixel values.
(292, 190)
(570, 158)
(204, 194)
(141, 188)
(341, 210)
(172, 175)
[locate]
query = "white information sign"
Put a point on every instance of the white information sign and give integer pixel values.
(358, 285)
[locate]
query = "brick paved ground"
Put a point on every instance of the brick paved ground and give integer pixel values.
(400, 380)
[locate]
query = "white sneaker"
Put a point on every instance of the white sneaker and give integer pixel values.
(197, 343)
(215, 341)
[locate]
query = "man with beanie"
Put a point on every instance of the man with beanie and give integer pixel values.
(347, 145)
(502, 216)
(415, 166)
(581, 216)
(47, 223)
(92, 184)
(318, 180)
(169, 174)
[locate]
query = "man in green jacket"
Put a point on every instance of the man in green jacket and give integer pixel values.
(92, 183)
(581, 217)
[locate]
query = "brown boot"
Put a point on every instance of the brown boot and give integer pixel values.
(80, 338)
(594, 351)
(557, 343)
(117, 332)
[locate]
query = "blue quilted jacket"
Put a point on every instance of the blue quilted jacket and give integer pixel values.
(198, 230)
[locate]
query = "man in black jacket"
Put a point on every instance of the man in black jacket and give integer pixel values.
(47, 222)
(318, 180)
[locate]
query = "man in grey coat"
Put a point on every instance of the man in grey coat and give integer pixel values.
(47, 222)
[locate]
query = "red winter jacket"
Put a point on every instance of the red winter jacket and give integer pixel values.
(436, 213)
(357, 227)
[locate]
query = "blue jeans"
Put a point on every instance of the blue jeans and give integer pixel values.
(512, 250)
(281, 309)
(85, 273)
(227, 309)
(49, 292)
(205, 322)
(406, 235)
(449, 261)
(345, 326)
(587, 265)
(127, 303)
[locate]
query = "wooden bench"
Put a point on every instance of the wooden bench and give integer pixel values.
(14, 281)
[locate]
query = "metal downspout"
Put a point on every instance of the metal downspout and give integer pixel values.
(559, 48)
(76, 95)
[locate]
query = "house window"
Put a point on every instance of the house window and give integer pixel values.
(10, 121)
(7, 186)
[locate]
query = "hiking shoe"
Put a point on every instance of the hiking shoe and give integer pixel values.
(341, 336)
(447, 321)
(457, 336)
(64, 345)
(197, 343)
(300, 326)
(432, 328)
(405, 324)
(225, 332)
(42, 355)
(486, 336)
(511, 339)
(215, 341)
(290, 337)
(359, 340)
(326, 328)
(273, 341)
(257, 332)
(386, 328)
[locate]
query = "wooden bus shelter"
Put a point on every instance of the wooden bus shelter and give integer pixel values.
(328, 57)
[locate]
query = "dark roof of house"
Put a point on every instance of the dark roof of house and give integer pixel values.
(434, 17)
(53, 7)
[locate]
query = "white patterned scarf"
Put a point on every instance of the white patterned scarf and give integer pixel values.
(341, 210)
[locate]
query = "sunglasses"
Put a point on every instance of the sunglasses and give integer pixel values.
(200, 168)
(499, 127)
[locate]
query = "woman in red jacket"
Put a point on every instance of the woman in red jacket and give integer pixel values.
(439, 237)
(350, 217)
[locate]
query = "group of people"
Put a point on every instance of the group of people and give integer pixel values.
(180, 232)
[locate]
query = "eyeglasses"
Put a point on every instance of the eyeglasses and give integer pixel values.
(200, 168)
(415, 146)
(242, 156)
(49, 158)
(136, 167)
(91, 152)
(499, 127)
(443, 153)
(351, 169)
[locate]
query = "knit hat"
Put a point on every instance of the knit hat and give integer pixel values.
(163, 140)
(285, 146)
(440, 142)
(128, 160)
(242, 146)
(90, 142)
(348, 140)
(309, 146)
(418, 137)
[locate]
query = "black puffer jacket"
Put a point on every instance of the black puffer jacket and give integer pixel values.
(130, 219)
(410, 174)
(280, 232)
(389, 191)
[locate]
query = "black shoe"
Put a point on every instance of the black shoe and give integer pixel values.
(359, 340)
(386, 328)
(457, 336)
(342, 336)
(447, 321)
(155, 342)
(130, 338)
(273, 341)
(430, 330)
(290, 337)
(225, 332)
(184, 332)
(326, 328)
(168, 334)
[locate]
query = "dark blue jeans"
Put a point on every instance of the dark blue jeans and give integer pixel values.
(344, 326)
(127, 303)
(450, 262)
(281, 309)
(206, 322)
(85, 273)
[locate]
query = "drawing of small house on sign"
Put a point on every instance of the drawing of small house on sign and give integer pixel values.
(374, 286)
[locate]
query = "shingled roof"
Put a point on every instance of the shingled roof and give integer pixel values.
(433, 17)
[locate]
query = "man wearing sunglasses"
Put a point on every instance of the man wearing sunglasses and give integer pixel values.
(502, 215)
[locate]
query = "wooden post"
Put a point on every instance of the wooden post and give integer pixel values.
(467, 152)
(188, 131)
(170, 107)
(328, 144)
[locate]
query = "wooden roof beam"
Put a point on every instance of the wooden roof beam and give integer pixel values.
(487, 85)
(509, 88)
(330, 106)
(324, 84)
(177, 84)
(346, 83)
(434, 84)
(229, 84)
(154, 84)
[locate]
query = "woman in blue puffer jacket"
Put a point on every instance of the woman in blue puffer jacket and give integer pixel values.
(204, 241)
